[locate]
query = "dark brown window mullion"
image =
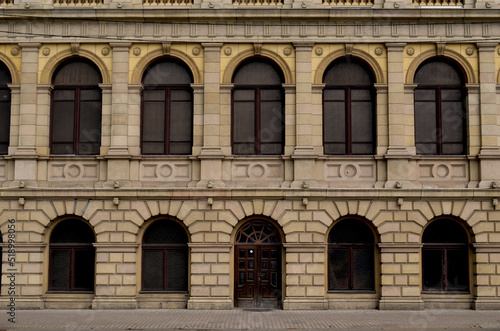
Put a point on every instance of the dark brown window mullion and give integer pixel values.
(72, 281)
(348, 129)
(168, 105)
(350, 274)
(258, 124)
(439, 122)
(76, 133)
(164, 269)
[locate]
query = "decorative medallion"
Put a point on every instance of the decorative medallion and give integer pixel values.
(410, 51)
(196, 51)
(137, 51)
(46, 51)
(228, 51)
(15, 51)
(318, 51)
(379, 51)
(469, 51)
(105, 51)
(287, 51)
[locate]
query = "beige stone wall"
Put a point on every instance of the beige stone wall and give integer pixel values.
(211, 192)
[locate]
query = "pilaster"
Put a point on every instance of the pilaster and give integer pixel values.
(304, 155)
(211, 155)
(397, 153)
(25, 167)
(487, 274)
(489, 153)
(119, 100)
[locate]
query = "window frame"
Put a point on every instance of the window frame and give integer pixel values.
(437, 89)
(167, 100)
(348, 123)
(165, 248)
(77, 104)
(350, 247)
(71, 248)
(6, 118)
(257, 100)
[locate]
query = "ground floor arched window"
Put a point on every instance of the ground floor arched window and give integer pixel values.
(351, 256)
(165, 257)
(72, 257)
(445, 257)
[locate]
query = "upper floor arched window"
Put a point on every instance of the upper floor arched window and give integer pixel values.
(5, 80)
(349, 108)
(440, 116)
(167, 109)
(258, 109)
(72, 257)
(76, 108)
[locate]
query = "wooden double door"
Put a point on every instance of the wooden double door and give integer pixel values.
(258, 276)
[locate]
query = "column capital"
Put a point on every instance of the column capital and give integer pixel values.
(304, 46)
(486, 46)
(395, 47)
(212, 46)
(118, 45)
(29, 45)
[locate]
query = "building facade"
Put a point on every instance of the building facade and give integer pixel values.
(257, 153)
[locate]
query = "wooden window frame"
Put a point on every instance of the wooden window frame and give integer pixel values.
(168, 106)
(6, 118)
(164, 270)
(71, 248)
(350, 267)
(348, 119)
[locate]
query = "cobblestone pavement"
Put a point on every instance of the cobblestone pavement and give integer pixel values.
(238, 320)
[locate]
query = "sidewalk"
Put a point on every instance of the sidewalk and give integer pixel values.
(211, 320)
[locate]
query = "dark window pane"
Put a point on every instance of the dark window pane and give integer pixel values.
(438, 72)
(458, 269)
(432, 267)
(348, 71)
(84, 269)
(72, 231)
(77, 71)
(181, 122)
(167, 72)
(351, 231)
(257, 73)
(363, 269)
(177, 265)
(338, 269)
(153, 272)
(165, 231)
(445, 230)
(4, 119)
(90, 122)
(59, 273)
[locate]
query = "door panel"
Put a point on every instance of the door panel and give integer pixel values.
(258, 276)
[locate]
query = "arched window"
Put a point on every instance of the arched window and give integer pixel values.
(72, 257)
(440, 116)
(351, 259)
(165, 257)
(167, 109)
(76, 108)
(349, 108)
(5, 79)
(258, 109)
(445, 257)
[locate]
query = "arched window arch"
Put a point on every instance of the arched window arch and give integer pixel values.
(72, 257)
(351, 256)
(5, 79)
(445, 257)
(167, 108)
(349, 108)
(258, 109)
(440, 115)
(165, 257)
(76, 108)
